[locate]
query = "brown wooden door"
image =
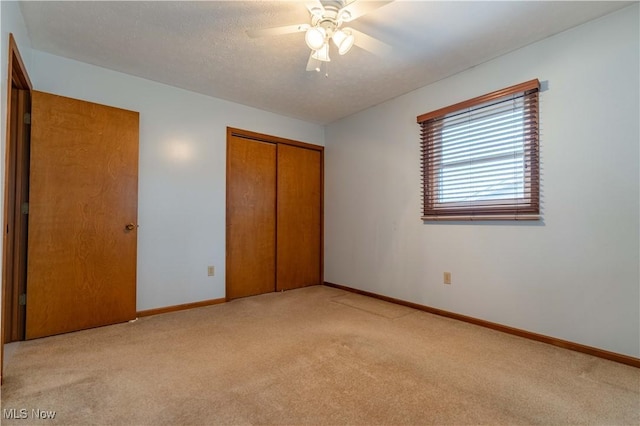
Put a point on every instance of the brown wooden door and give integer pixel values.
(299, 217)
(83, 194)
(251, 217)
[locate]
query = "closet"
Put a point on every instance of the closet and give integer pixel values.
(274, 214)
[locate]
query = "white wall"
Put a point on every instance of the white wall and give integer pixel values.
(573, 276)
(181, 208)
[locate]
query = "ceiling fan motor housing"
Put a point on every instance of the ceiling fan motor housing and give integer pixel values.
(329, 18)
(329, 25)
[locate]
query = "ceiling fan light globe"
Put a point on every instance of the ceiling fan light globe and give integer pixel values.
(315, 37)
(347, 44)
(322, 54)
(343, 40)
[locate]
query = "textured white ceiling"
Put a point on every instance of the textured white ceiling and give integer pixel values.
(202, 46)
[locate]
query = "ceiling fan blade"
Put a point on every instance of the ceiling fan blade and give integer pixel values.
(370, 44)
(289, 29)
(315, 8)
(359, 8)
(313, 64)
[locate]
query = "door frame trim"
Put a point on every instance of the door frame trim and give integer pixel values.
(261, 137)
(16, 74)
(271, 139)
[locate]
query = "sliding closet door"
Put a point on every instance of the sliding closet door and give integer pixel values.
(299, 225)
(251, 217)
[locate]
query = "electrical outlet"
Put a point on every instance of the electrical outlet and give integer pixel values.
(210, 271)
(447, 277)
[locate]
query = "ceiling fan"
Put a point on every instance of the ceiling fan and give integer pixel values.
(327, 18)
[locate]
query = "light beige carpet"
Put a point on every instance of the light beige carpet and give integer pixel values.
(373, 306)
(317, 355)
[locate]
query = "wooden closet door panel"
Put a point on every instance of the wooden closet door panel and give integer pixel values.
(81, 269)
(299, 217)
(251, 217)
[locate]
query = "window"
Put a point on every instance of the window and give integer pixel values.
(480, 157)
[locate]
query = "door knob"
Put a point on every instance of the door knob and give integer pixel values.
(130, 227)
